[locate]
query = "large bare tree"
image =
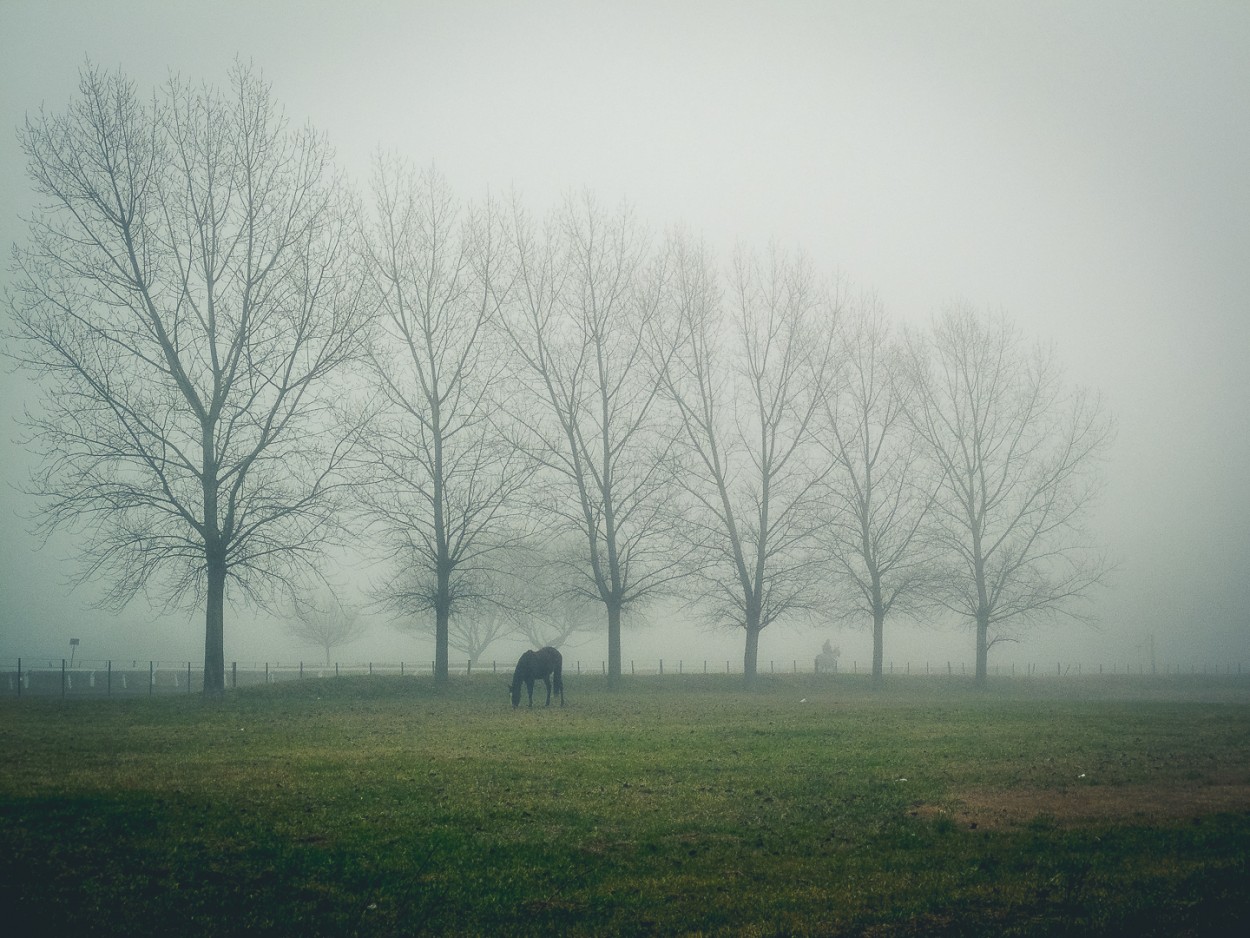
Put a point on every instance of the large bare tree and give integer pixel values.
(189, 292)
(882, 488)
(1018, 451)
(443, 478)
(580, 319)
(745, 380)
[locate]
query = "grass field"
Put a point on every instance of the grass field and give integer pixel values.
(810, 805)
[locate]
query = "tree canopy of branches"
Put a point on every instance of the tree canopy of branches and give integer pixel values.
(881, 487)
(190, 285)
(443, 478)
(744, 379)
(1018, 453)
(581, 311)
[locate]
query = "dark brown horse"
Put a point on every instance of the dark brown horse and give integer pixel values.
(542, 665)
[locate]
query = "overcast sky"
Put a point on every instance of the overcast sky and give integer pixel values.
(1083, 166)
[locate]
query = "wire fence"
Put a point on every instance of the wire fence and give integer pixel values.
(45, 677)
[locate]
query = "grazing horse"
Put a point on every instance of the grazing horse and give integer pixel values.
(538, 665)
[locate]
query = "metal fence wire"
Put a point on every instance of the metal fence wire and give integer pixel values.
(44, 677)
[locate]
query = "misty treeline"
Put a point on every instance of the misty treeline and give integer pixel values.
(534, 423)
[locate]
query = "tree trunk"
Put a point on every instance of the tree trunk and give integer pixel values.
(215, 630)
(878, 643)
(614, 644)
(983, 647)
(442, 616)
(750, 657)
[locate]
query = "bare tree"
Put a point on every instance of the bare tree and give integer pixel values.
(324, 620)
(545, 605)
(882, 488)
(744, 380)
(190, 287)
(477, 623)
(442, 476)
(1018, 452)
(583, 307)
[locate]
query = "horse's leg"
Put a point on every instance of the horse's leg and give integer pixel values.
(529, 686)
(547, 684)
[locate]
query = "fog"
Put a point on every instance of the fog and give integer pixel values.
(1082, 167)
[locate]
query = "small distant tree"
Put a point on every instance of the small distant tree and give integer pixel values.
(190, 293)
(545, 604)
(881, 488)
(325, 621)
(1018, 452)
(474, 629)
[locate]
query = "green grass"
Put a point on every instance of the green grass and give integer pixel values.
(380, 806)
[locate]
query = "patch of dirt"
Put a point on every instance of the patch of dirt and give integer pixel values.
(1070, 807)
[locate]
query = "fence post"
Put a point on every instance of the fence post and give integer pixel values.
(301, 670)
(234, 675)
(151, 678)
(631, 665)
(371, 669)
(661, 665)
(336, 669)
(62, 677)
(468, 671)
(108, 683)
(266, 673)
(19, 677)
(188, 677)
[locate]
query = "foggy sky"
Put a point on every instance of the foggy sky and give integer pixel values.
(1083, 167)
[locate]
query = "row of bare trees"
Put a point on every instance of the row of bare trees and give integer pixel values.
(239, 358)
